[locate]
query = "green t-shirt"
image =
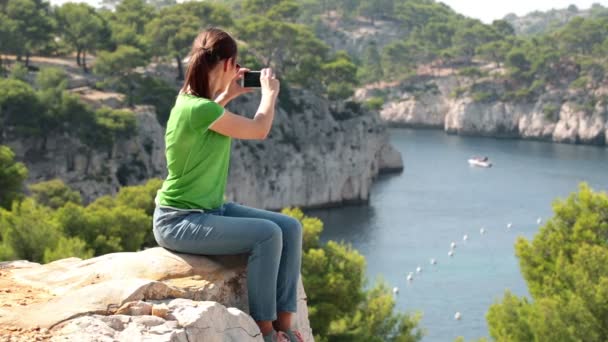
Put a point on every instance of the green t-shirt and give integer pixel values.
(197, 157)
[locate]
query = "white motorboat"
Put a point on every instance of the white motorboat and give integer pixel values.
(480, 162)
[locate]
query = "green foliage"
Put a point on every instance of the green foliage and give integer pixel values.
(472, 72)
(551, 111)
(118, 67)
(372, 64)
(566, 269)
(110, 126)
(81, 27)
(580, 83)
(18, 72)
(33, 25)
(7, 38)
(339, 307)
(518, 63)
(12, 176)
(54, 193)
(27, 230)
(339, 76)
(19, 107)
(291, 49)
(458, 91)
(52, 78)
(156, 92)
(484, 96)
(374, 103)
(67, 247)
(171, 33)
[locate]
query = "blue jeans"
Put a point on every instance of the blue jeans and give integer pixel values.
(272, 240)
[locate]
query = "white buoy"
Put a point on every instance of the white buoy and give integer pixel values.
(482, 231)
(418, 269)
(410, 276)
(465, 237)
(433, 261)
(453, 245)
(451, 253)
(509, 225)
(539, 220)
(457, 316)
(395, 290)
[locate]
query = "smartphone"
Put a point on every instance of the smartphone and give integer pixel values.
(251, 79)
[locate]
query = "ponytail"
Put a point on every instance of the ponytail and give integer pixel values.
(209, 48)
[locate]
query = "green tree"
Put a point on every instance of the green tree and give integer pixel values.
(173, 31)
(81, 27)
(469, 37)
(67, 247)
(503, 28)
(54, 193)
(7, 38)
(19, 109)
(33, 25)
(119, 68)
(12, 176)
(127, 25)
(340, 76)
(27, 230)
(58, 105)
(376, 9)
(566, 269)
(518, 63)
(291, 49)
(495, 51)
(372, 69)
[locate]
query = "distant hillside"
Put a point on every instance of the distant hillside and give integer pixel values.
(538, 22)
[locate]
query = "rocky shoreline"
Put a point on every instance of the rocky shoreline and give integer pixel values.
(556, 116)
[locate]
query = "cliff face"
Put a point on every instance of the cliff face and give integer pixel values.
(554, 116)
(316, 155)
(99, 171)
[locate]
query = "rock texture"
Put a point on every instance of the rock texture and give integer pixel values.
(152, 295)
(315, 155)
(97, 172)
(554, 116)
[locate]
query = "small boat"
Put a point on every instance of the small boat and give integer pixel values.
(480, 162)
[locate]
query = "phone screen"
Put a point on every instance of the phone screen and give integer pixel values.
(251, 79)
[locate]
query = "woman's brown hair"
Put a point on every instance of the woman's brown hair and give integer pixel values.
(209, 48)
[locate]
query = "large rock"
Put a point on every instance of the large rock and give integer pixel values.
(114, 297)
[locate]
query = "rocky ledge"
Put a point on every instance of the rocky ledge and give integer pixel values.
(151, 295)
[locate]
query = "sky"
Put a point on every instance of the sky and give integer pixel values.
(485, 10)
(488, 10)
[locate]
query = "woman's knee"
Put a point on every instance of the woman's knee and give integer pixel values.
(269, 231)
(291, 227)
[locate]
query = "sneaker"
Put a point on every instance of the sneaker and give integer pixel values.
(294, 336)
(276, 337)
(282, 337)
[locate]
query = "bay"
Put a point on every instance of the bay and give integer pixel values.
(414, 216)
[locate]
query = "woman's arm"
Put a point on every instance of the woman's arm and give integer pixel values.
(240, 127)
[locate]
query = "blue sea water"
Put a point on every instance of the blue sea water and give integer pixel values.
(414, 216)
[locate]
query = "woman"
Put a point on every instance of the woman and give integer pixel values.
(191, 215)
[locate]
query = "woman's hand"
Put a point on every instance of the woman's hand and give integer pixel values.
(270, 84)
(234, 88)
